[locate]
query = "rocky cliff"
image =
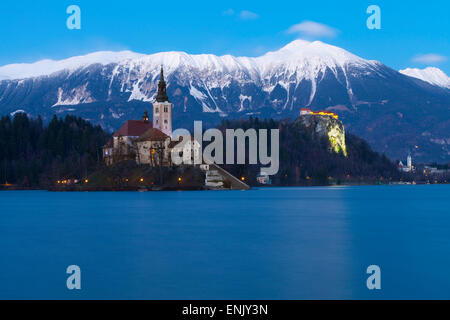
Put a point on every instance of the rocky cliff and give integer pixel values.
(327, 126)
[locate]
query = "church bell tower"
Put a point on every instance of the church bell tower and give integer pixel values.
(162, 108)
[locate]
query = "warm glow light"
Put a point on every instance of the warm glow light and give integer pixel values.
(321, 113)
(179, 179)
(242, 178)
(142, 179)
(86, 180)
(58, 182)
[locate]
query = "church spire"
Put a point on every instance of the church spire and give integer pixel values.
(162, 95)
(162, 74)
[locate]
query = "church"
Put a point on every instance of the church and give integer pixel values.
(149, 142)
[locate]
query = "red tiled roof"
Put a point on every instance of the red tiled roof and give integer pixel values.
(133, 128)
(153, 134)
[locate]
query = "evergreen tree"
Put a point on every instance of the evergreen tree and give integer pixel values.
(33, 155)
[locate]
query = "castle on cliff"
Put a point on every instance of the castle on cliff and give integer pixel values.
(327, 124)
(306, 111)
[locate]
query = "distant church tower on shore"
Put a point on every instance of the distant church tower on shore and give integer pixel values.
(409, 161)
(162, 109)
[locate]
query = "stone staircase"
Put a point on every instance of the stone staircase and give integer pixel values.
(213, 179)
(217, 177)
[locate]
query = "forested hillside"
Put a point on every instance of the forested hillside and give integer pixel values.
(32, 154)
(306, 158)
(36, 155)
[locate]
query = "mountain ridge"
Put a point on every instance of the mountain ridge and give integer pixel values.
(431, 75)
(393, 111)
(296, 48)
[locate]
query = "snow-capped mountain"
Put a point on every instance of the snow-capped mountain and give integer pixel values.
(109, 87)
(47, 67)
(299, 61)
(431, 75)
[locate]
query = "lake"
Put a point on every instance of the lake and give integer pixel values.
(269, 243)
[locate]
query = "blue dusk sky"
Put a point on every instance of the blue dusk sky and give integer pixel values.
(413, 33)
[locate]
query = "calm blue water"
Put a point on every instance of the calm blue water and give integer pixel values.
(277, 243)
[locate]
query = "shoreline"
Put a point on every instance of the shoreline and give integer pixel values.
(78, 188)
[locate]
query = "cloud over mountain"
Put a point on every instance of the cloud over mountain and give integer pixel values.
(313, 29)
(430, 58)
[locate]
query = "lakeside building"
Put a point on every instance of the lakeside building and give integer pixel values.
(153, 148)
(263, 178)
(121, 146)
(434, 170)
(149, 142)
(409, 166)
